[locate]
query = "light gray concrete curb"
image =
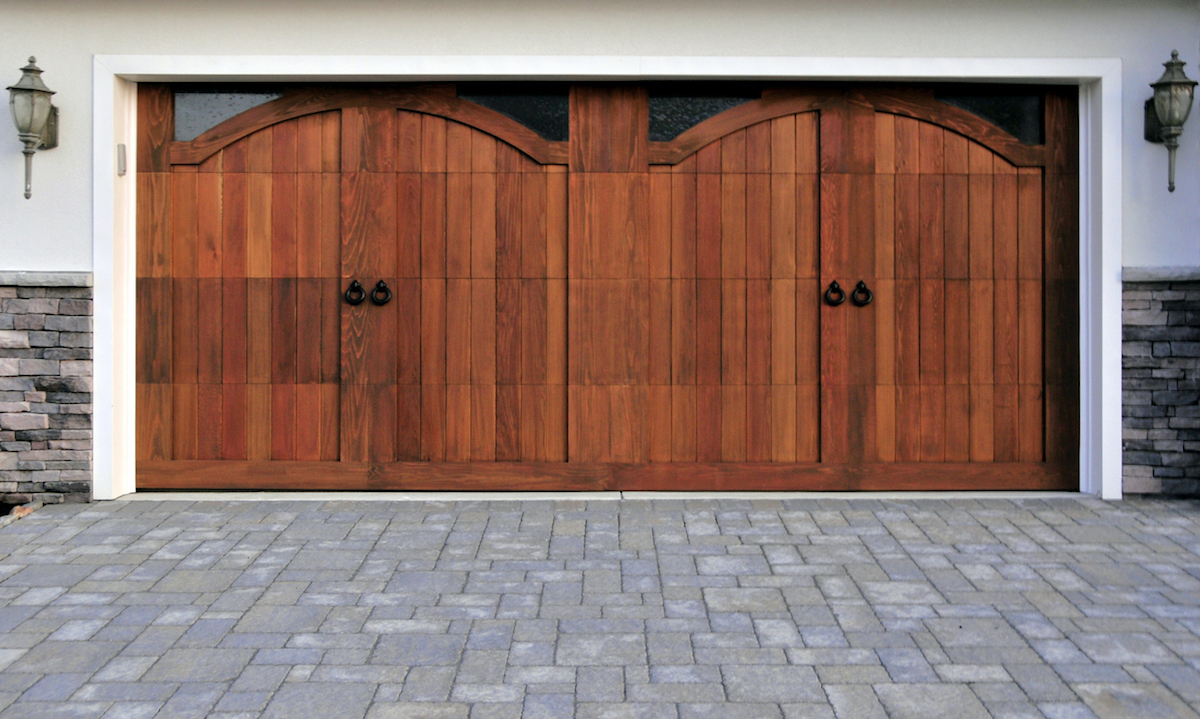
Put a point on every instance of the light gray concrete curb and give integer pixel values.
(46, 279)
(1160, 274)
(570, 496)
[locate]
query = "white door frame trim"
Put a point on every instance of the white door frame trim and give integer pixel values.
(114, 198)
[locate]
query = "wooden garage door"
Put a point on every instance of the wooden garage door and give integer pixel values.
(607, 312)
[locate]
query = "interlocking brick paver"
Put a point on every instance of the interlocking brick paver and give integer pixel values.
(679, 608)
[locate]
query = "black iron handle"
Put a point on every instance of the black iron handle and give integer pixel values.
(355, 294)
(386, 294)
(834, 295)
(862, 295)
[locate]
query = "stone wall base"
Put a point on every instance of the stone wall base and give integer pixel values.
(1160, 383)
(45, 392)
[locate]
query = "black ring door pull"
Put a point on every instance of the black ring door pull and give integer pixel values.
(862, 295)
(387, 294)
(834, 295)
(355, 294)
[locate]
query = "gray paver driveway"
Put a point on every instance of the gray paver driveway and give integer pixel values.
(933, 609)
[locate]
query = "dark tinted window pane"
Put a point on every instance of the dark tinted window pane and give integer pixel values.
(200, 110)
(1017, 112)
(542, 107)
(678, 107)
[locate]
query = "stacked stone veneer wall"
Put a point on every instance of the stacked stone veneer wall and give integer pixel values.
(1161, 385)
(45, 388)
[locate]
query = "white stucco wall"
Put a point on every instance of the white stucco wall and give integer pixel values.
(53, 231)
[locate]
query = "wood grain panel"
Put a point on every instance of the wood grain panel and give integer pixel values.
(608, 128)
(156, 125)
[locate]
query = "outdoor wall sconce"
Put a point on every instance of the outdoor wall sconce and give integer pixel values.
(1168, 110)
(35, 117)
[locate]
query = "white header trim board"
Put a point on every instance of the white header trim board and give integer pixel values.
(1100, 159)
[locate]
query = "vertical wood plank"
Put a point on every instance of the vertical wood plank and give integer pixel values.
(458, 225)
(933, 423)
(154, 225)
(683, 331)
(1006, 345)
(908, 423)
(733, 423)
(258, 422)
(556, 211)
(508, 424)
(483, 422)
(783, 335)
(683, 225)
(683, 423)
(258, 332)
(708, 225)
(483, 336)
(783, 225)
(783, 144)
(958, 422)
(982, 423)
(1006, 416)
(258, 224)
(758, 226)
(660, 345)
(433, 335)
(661, 218)
(533, 225)
(156, 121)
(283, 421)
(1005, 220)
(708, 332)
(958, 331)
(233, 422)
(885, 422)
(808, 226)
(409, 224)
(1029, 223)
(458, 422)
(733, 332)
(184, 431)
(956, 226)
(809, 431)
(234, 307)
(458, 344)
(982, 329)
(433, 421)
(458, 147)
(408, 422)
(758, 332)
(708, 423)
(185, 331)
(508, 225)
(483, 225)
(209, 319)
(154, 430)
(1029, 423)
(308, 422)
(185, 224)
(283, 345)
(433, 223)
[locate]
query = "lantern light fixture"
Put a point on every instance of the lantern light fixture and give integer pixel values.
(1168, 109)
(34, 115)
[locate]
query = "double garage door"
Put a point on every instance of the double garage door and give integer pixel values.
(607, 311)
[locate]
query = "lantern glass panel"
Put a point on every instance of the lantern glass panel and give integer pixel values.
(41, 112)
(21, 105)
(1173, 104)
